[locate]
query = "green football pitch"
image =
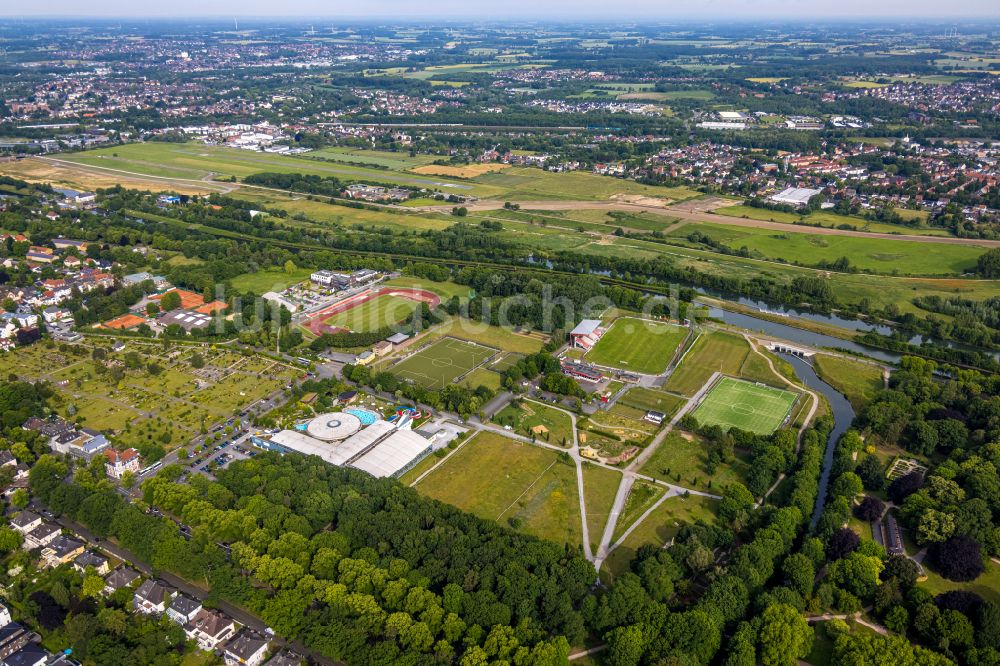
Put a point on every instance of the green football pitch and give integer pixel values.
(638, 345)
(441, 363)
(734, 403)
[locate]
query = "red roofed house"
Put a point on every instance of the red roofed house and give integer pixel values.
(120, 462)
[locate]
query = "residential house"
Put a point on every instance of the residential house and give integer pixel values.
(120, 578)
(53, 314)
(25, 521)
(32, 654)
(182, 609)
(61, 550)
(210, 628)
(247, 648)
(13, 637)
(119, 462)
(93, 560)
(285, 658)
(41, 536)
(152, 597)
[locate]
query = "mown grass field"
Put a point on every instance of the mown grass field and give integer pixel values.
(500, 479)
(374, 314)
(858, 381)
(501, 338)
(682, 458)
(874, 254)
(831, 219)
(715, 351)
(648, 399)
(733, 403)
(638, 345)
(660, 527)
(264, 281)
(600, 485)
(440, 363)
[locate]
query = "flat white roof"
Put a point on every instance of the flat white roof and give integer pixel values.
(333, 426)
(392, 454)
(586, 327)
(796, 195)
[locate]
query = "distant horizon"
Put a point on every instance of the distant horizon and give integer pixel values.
(567, 11)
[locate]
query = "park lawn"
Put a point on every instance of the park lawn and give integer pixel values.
(648, 399)
(735, 403)
(269, 280)
(715, 351)
(857, 380)
(374, 314)
(642, 496)
(498, 478)
(547, 424)
(499, 337)
(987, 585)
(682, 459)
(638, 345)
(660, 527)
(600, 485)
(872, 254)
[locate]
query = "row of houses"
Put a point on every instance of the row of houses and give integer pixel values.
(212, 630)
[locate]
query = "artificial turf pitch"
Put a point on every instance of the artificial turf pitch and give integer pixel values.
(441, 363)
(734, 403)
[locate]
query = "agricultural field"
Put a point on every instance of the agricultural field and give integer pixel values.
(525, 184)
(638, 345)
(872, 254)
(714, 351)
(442, 362)
(682, 459)
(379, 312)
(534, 419)
(513, 483)
(734, 403)
(459, 171)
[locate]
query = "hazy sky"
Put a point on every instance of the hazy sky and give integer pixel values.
(717, 10)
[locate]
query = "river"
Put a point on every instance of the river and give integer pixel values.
(843, 416)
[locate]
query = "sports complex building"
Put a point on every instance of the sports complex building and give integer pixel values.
(356, 438)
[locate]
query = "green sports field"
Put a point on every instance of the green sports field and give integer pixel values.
(443, 362)
(734, 403)
(638, 345)
(372, 315)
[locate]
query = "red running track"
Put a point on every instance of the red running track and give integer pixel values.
(315, 322)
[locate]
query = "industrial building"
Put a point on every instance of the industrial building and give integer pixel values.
(795, 196)
(381, 448)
